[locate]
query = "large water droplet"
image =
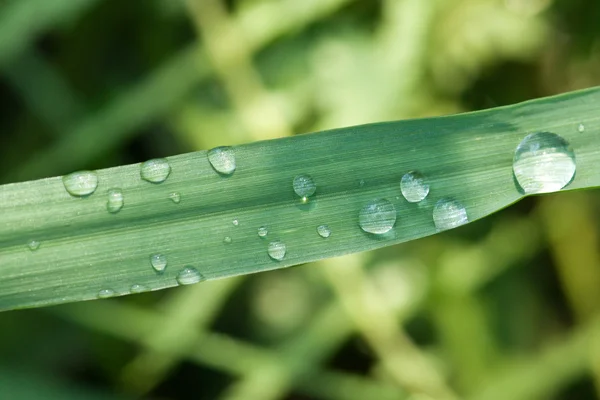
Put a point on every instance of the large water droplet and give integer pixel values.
(414, 187)
(222, 159)
(105, 293)
(377, 216)
(276, 250)
(449, 213)
(263, 231)
(304, 186)
(158, 262)
(115, 200)
(81, 183)
(188, 276)
(175, 197)
(323, 231)
(544, 162)
(33, 245)
(135, 288)
(155, 170)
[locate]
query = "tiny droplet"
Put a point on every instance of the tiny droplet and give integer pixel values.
(449, 213)
(235, 222)
(175, 197)
(263, 231)
(188, 276)
(304, 186)
(158, 262)
(276, 250)
(377, 216)
(222, 159)
(155, 170)
(33, 245)
(413, 186)
(104, 293)
(137, 288)
(115, 201)
(227, 240)
(81, 183)
(581, 128)
(323, 231)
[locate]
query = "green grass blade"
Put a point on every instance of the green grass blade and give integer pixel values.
(85, 249)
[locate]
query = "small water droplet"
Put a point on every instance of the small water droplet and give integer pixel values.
(581, 128)
(137, 288)
(304, 186)
(105, 293)
(188, 276)
(276, 250)
(227, 240)
(263, 231)
(222, 159)
(544, 162)
(155, 170)
(361, 183)
(235, 222)
(81, 183)
(414, 187)
(158, 262)
(175, 197)
(33, 245)
(115, 200)
(323, 231)
(449, 213)
(377, 216)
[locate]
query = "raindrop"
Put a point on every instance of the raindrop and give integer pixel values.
(323, 231)
(227, 240)
(33, 245)
(104, 293)
(263, 231)
(155, 170)
(175, 197)
(82, 183)
(378, 216)
(188, 276)
(544, 162)
(304, 186)
(158, 262)
(235, 222)
(449, 213)
(222, 159)
(137, 288)
(115, 200)
(581, 128)
(276, 250)
(414, 187)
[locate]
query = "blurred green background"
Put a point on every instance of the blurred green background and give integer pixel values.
(504, 308)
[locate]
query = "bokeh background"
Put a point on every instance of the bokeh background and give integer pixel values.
(503, 308)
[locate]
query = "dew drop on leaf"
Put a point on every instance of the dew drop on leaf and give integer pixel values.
(323, 231)
(263, 231)
(449, 213)
(81, 183)
(175, 197)
(33, 245)
(135, 288)
(115, 201)
(227, 240)
(543, 162)
(377, 216)
(414, 187)
(105, 293)
(188, 276)
(276, 250)
(304, 186)
(158, 262)
(222, 159)
(581, 128)
(156, 170)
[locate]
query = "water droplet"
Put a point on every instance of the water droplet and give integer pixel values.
(449, 213)
(227, 240)
(581, 128)
(377, 216)
(222, 159)
(414, 187)
(304, 186)
(188, 276)
(104, 293)
(155, 170)
(115, 200)
(137, 288)
(33, 245)
(276, 250)
(323, 231)
(235, 222)
(361, 183)
(175, 197)
(263, 231)
(158, 262)
(81, 183)
(544, 162)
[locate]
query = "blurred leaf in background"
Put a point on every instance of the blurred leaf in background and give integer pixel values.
(504, 308)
